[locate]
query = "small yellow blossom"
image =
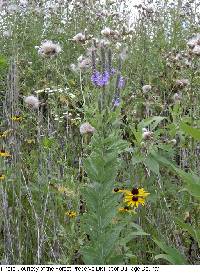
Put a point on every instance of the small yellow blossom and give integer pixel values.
(71, 214)
(17, 118)
(5, 133)
(124, 209)
(4, 153)
(71, 82)
(2, 176)
(30, 141)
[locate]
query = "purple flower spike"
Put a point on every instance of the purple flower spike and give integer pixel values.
(116, 102)
(99, 79)
(112, 71)
(121, 82)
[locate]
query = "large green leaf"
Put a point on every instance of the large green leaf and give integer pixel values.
(172, 255)
(152, 164)
(190, 131)
(192, 182)
(152, 121)
(192, 231)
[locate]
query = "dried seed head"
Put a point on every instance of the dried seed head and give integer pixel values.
(32, 101)
(84, 63)
(173, 141)
(146, 88)
(195, 40)
(106, 32)
(147, 135)
(86, 128)
(177, 97)
(48, 49)
(79, 38)
(182, 83)
(196, 50)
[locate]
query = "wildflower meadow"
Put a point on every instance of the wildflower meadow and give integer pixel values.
(100, 132)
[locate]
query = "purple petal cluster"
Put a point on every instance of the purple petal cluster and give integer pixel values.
(100, 79)
(116, 102)
(121, 82)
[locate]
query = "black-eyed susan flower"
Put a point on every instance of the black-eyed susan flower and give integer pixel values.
(2, 176)
(4, 153)
(124, 209)
(17, 118)
(135, 197)
(71, 214)
(134, 201)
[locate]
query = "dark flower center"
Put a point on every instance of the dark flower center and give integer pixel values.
(3, 151)
(135, 199)
(135, 191)
(116, 189)
(126, 208)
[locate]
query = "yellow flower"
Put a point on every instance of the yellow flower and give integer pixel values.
(124, 209)
(30, 141)
(17, 118)
(71, 214)
(3, 153)
(4, 134)
(137, 192)
(71, 82)
(2, 176)
(134, 201)
(135, 197)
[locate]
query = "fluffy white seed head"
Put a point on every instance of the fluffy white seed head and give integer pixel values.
(49, 49)
(182, 83)
(32, 101)
(84, 63)
(147, 135)
(196, 50)
(173, 141)
(177, 97)
(7, 33)
(195, 40)
(106, 31)
(146, 88)
(79, 37)
(86, 128)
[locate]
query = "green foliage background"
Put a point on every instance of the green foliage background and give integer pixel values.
(33, 224)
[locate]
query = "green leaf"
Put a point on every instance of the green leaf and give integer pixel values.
(3, 62)
(192, 231)
(153, 121)
(47, 143)
(152, 164)
(161, 159)
(172, 255)
(137, 159)
(192, 182)
(165, 257)
(190, 131)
